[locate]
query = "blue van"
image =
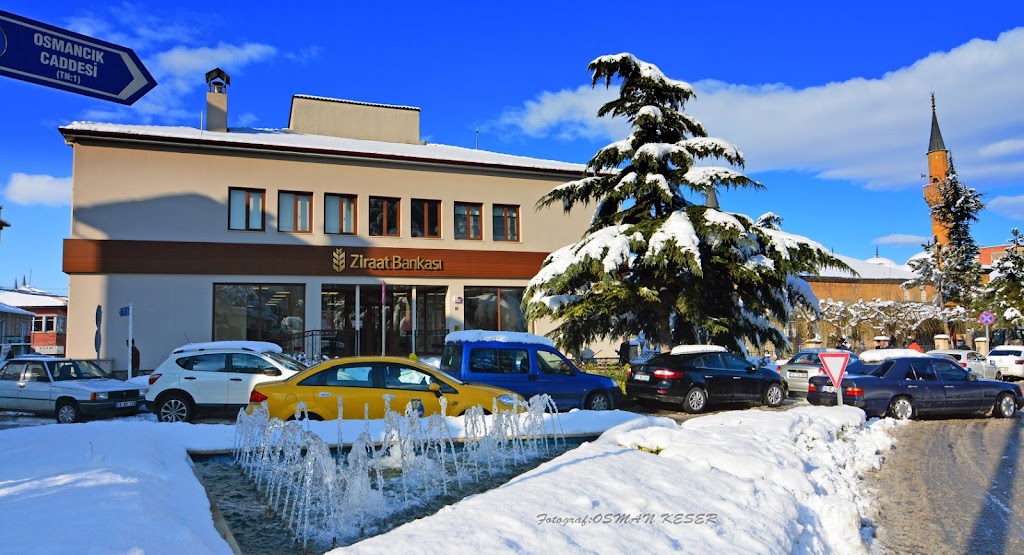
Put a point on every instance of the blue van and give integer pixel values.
(528, 365)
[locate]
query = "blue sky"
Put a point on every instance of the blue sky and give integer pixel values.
(829, 103)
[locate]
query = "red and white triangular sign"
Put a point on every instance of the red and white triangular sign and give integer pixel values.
(835, 366)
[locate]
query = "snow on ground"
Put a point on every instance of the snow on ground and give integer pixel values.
(739, 481)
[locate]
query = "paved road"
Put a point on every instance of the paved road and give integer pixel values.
(952, 486)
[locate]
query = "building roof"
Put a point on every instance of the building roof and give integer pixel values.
(935, 142)
(317, 145)
(30, 298)
(14, 310)
(356, 102)
(867, 270)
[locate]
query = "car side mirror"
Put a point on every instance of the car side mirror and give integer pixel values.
(271, 372)
(972, 377)
(435, 387)
(751, 368)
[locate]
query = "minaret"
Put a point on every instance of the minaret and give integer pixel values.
(938, 166)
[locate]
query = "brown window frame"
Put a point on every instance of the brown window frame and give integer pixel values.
(469, 227)
(295, 212)
(341, 214)
(384, 221)
(502, 210)
(263, 208)
(425, 227)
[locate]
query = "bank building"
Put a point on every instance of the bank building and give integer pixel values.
(342, 234)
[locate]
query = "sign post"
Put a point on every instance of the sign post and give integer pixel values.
(987, 319)
(127, 311)
(53, 57)
(835, 367)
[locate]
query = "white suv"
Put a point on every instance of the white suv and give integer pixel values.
(214, 377)
(1009, 361)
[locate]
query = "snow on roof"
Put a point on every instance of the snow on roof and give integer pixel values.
(688, 349)
(256, 346)
(881, 261)
(497, 336)
(878, 355)
(867, 270)
(30, 298)
(276, 138)
(14, 310)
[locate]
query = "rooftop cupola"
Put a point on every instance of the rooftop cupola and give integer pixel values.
(217, 82)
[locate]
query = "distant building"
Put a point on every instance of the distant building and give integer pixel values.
(49, 325)
(15, 331)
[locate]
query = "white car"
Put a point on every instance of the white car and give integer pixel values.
(214, 377)
(1009, 361)
(973, 361)
(72, 389)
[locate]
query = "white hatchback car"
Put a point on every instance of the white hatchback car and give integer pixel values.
(973, 361)
(214, 377)
(1009, 360)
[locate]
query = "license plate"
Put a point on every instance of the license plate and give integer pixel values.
(124, 404)
(828, 389)
(642, 378)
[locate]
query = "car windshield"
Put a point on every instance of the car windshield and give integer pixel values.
(287, 362)
(66, 370)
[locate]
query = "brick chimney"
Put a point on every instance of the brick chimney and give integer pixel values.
(217, 100)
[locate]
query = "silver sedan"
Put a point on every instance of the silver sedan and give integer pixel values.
(973, 361)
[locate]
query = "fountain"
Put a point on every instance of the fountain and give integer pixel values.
(328, 500)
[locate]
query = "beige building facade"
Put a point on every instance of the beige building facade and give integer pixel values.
(339, 235)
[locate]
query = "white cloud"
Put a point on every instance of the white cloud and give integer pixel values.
(38, 189)
(901, 239)
(173, 52)
(1002, 148)
(874, 131)
(1011, 207)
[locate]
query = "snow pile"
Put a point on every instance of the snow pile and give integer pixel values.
(739, 482)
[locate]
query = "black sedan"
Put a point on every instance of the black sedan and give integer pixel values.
(905, 387)
(692, 376)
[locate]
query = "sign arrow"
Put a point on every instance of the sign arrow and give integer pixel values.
(46, 55)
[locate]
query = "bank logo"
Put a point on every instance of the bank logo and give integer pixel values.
(339, 260)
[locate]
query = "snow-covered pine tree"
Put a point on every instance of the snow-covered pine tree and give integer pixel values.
(655, 262)
(1004, 293)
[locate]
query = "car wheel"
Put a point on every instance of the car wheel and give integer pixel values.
(902, 408)
(67, 413)
(1005, 406)
(696, 401)
(597, 401)
(774, 395)
(174, 408)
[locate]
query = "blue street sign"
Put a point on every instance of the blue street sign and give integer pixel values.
(125, 311)
(54, 57)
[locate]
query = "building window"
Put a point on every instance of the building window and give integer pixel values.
(924, 295)
(506, 222)
(467, 220)
(426, 218)
(260, 312)
(384, 214)
(490, 308)
(293, 212)
(340, 214)
(246, 208)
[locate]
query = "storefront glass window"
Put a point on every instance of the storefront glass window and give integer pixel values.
(490, 308)
(259, 312)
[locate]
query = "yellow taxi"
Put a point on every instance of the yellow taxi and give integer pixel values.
(362, 383)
